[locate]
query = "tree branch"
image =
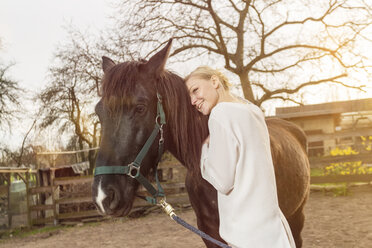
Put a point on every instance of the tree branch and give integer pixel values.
(269, 94)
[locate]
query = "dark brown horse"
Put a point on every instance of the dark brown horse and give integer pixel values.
(127, 113)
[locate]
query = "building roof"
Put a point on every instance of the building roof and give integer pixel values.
(325, 108)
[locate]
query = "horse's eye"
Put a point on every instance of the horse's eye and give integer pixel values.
(140, 109)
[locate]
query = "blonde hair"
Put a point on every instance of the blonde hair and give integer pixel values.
(206, 72)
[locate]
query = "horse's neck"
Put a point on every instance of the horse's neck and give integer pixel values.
(193, 148)
(172, 148)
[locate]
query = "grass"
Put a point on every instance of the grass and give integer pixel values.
(316, 172)
(23, 232)
(338, 189)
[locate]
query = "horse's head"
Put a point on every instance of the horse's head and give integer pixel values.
(127, 112)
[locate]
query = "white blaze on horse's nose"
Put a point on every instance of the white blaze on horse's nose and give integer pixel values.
(100, 197)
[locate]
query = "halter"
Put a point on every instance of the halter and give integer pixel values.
(133, 169)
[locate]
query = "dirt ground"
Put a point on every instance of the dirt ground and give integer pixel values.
(342, 221)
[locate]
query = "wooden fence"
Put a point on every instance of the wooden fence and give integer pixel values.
(337, 139)
(175, 191)
(354, 138)
(176, 194)
(173, 177)
(49, 212)
(6, 174)
(341, 179)
(41, 211)
(319, 162)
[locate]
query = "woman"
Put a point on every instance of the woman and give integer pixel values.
(236, 160)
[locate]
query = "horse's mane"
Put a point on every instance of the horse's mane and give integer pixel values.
(187, 127)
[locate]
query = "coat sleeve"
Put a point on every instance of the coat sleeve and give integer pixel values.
(220, 157)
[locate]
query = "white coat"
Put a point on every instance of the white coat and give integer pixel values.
(238, 163)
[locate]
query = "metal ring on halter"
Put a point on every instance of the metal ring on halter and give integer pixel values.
(161, 140)
(133, 167)
(159, 97)
(157, 121)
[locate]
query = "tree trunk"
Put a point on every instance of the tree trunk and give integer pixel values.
(246, 86)
(92, 161)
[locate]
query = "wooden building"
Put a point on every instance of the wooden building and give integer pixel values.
(333, 124)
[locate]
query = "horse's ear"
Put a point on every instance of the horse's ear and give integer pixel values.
(107, 63)
(157, 62)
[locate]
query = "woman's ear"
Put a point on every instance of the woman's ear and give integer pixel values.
(215, 82)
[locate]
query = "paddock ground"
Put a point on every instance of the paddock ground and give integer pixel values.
(342, 221)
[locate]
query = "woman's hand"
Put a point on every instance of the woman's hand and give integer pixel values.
(206, 141)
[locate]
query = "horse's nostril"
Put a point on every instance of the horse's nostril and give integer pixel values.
(111, 194)
(114, 198)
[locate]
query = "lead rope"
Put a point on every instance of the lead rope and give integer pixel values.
(169, 210)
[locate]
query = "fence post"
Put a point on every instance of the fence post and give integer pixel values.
(28, 198)
(52, 177)
(9, 178)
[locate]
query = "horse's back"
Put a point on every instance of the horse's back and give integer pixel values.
(292, 170)
(292, 128)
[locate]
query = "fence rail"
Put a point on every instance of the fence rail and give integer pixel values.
(320, 161)
(317, 162)
(339, 134)
(73, 180)
(175, 191)
(341, 179)
(176, 194)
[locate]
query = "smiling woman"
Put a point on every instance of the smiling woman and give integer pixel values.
(201, 83)
(236, 160)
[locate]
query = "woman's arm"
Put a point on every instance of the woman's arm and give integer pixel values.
(219, 157)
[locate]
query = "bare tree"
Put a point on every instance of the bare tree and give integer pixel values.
(25, 155)
(275, 47)
(68, 100)
(10, 108)
(9, 97)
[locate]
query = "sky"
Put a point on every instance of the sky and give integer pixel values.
(30, 31)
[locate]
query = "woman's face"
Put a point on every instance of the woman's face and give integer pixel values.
(203, 93)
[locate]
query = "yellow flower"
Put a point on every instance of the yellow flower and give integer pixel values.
(335, 152)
